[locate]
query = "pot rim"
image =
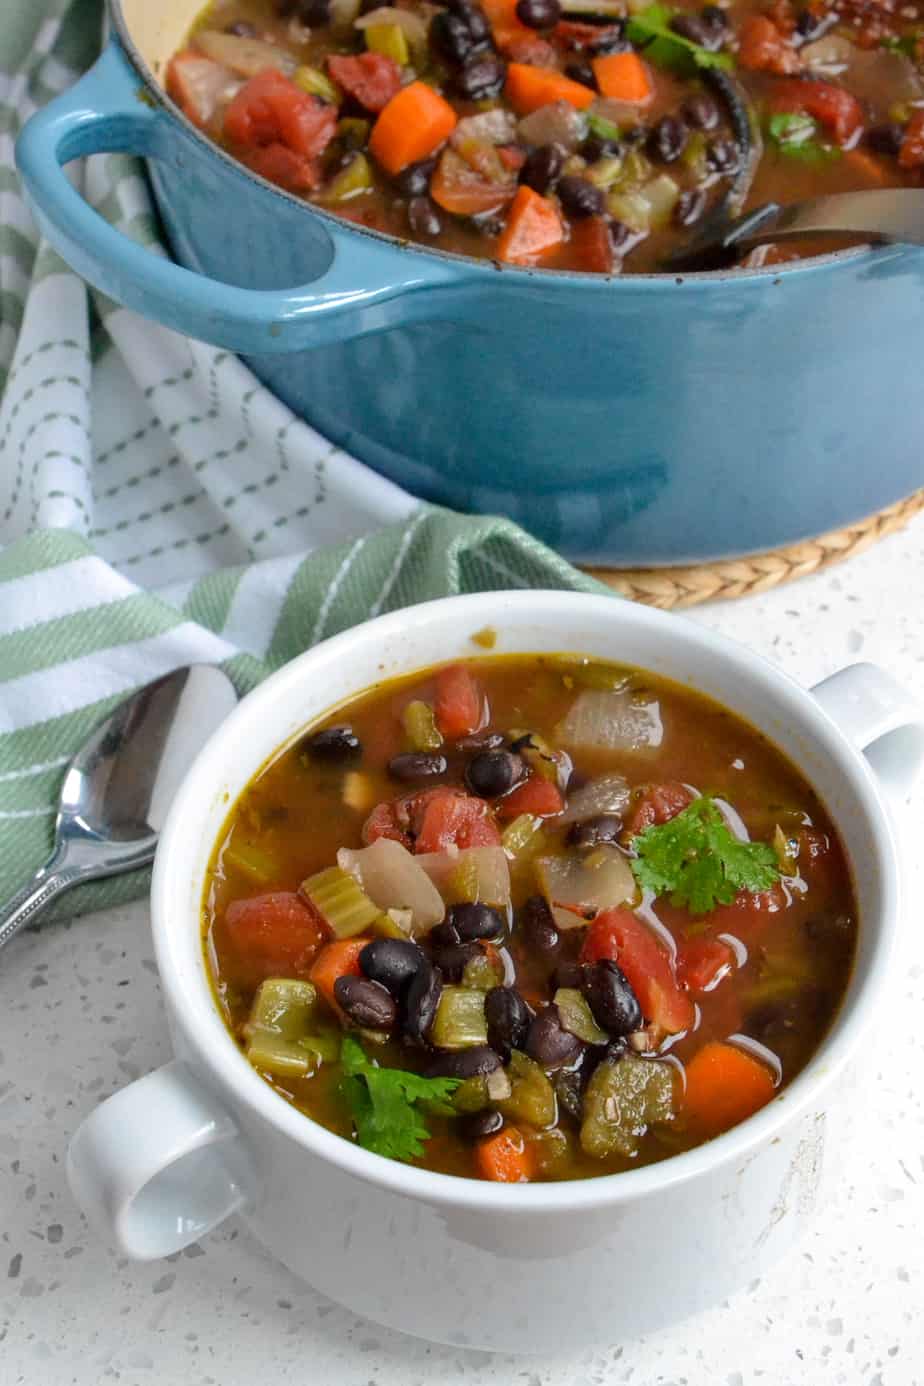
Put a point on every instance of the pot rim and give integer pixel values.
(181, 962)
(516, 274)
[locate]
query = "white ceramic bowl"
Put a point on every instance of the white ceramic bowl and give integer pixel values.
(519, 1268)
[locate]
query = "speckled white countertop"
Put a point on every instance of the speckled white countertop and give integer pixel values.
(80, 1016)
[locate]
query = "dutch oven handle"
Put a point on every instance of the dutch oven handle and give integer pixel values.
(108, 111)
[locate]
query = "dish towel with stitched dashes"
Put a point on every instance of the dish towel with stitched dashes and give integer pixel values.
(158, 506)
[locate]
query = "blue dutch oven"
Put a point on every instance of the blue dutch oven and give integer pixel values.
(646, 419)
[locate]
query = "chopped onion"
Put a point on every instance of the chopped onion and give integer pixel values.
(245, 56)
(617, 112)
(606, 794)
(491, 873)
(556, 123)
(612, 721)
(498, 1085)
(494, 127)
(879, 77)
(830, 54)
(415, 30)
(578, 888)
(395, 880)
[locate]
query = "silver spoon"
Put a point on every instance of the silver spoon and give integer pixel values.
(880, 217)
(119, 785)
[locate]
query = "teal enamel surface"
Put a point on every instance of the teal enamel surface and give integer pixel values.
(635, 420)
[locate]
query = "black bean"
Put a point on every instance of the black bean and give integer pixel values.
(333, 744)
(492, 773)
(241, 29)
(568, 973)
(692, 27)
(606, 38)
(480, 741)
(421, 1001)
(414, 181)
(464, 1063)
(549, 1044)
(451, 36)
(451, 958)
(542, 171)
(417, 765)
(538, 14)
(701, 111)
(391, 962)
(724, 156)
(482, 77)
(608, 994)
(568, 1087)
(443, 935)
(716, 23)
(480, 1124)
(690, 206)
(536, 920)
(886, 139)
(508, 1019)
(811, 26)
(668, 139)
(596, 148)
(423, 217)
(475, 921)
(474, 17)
(580, 198)
(595, 831)
(583, 73)
(366, 1003)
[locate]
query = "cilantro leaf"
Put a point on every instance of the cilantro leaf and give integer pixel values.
(907, 44)
(383, 1103)
(793, 133)
(650, 29)
(601, 127)
(699, 862)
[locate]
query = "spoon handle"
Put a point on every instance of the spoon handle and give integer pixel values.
(27, 904)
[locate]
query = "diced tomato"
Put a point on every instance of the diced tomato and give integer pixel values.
(197, 85)
(585, 37)
(383, 822)
(527, 48)
(750, 914)
(536, 795)
(658, 803)
(821, 861)
(627, 940)
(282, 166)
(703, 962)
(765, 49)
(840, 113)
(276, 935)
(270, 109)
(462, 190)
(372, 78)
(783, 14)
(911, 154)
(455, 819)
(460, 706)
(593, 245)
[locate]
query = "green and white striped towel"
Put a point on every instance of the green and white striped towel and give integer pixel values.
(157, 505)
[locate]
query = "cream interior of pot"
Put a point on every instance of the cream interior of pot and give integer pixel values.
(158, 28)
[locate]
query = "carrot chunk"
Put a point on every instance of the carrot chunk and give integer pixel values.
(504, 1158)
(414, 123)
(337, 959)
(274, 935)
(529, 87)
(624, 77)
(533, 229)
(459, 706)
(724, 1086)
(537, 796)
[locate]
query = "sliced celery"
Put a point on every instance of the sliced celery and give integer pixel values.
(389, 39)
(483, 972)
(605, 171)
(313, 80)
(276, 1032)
(325, 1043)
(354, 131)
(393, 924)
(620, 1100)
(420, 727)
(339, 898)
(532, 1097)
(636, 169)
(577, 1017)
(460, 1019)
(520, 835)
(355, 178)
(463, 882)
(471, 1095)
(250, 859)
(661, 194)
(629, 208)
(694, 156)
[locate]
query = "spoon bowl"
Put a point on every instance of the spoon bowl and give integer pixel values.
(120, 783)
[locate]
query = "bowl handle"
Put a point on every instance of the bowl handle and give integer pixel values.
(158, 1165)
(882, 720)
(108, 110)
